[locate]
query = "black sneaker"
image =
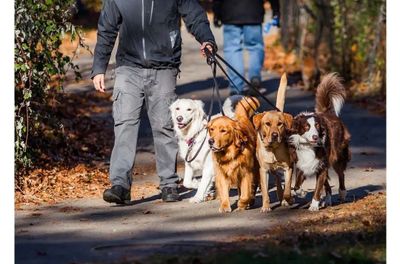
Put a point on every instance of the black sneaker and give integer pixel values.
(169, 194)
(117, 194)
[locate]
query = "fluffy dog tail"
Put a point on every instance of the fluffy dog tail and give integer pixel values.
(230, 105)
(246, 107)
(330, 95)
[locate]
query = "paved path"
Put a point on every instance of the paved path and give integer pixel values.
(90, 230)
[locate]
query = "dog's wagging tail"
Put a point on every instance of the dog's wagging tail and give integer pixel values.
(330, 95)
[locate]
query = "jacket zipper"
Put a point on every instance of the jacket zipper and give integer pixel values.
(151, 11)
(143, 40)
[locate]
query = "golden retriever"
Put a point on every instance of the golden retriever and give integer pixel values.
(273, 151)
(233, 144)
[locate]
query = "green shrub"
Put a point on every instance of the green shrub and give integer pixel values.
(40, 26)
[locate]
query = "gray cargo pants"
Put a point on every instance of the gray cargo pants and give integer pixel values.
(156, 88)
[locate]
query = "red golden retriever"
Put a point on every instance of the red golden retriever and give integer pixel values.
(233, 145)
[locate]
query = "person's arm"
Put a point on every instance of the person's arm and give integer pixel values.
(108, 27)
(197, 22)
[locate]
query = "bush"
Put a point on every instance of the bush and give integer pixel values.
(40, 26)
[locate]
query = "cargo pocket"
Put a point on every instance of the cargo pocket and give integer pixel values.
(117, 107)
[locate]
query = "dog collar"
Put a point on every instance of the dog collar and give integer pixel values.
(190, 142)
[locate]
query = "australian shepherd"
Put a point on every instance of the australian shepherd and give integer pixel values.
(321, 140)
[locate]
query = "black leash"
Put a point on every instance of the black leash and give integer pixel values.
(215, 91)
(214, 63)
(213, 57)
(192, 144)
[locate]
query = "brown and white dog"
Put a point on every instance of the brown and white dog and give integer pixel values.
(233, 144)
(321, 140)
(273, 150)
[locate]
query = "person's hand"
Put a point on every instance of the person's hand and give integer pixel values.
(98, 82)
(210, 46)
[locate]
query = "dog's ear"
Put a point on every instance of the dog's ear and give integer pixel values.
(288, 120)
(294, 128)
(239, 136)
(257, 120)
(199, 109)
(209, 124)
(199, 103)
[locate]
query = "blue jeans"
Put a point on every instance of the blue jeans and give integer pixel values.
(235, 38)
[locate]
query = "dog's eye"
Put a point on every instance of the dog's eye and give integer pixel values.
(211, 129)
(223, 130)
(189, 109)
(280, 123)
(177, 109)
(317, 125)
(268, 124)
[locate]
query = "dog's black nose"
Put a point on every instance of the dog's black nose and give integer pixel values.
(179, 118)
(211, 141)
(315, 137)
(274, 135)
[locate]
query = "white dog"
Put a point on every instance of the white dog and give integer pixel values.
(190, 122)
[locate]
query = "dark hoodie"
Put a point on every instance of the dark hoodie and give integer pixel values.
(149, 32)
(242, 12)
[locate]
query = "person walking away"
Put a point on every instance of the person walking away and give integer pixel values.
(242, 28)
(147, 64)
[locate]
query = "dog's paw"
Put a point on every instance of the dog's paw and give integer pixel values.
(288, 201)
(265, 209)
(196, 199)
(327, 201)
(314, 206)
(342, 195)
(225, 209)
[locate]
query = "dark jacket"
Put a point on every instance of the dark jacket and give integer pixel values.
(149, 32)
(242, 12)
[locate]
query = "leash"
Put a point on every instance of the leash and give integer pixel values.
(215, 92)
(213, 62)
(215, 58)
(191, 144)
